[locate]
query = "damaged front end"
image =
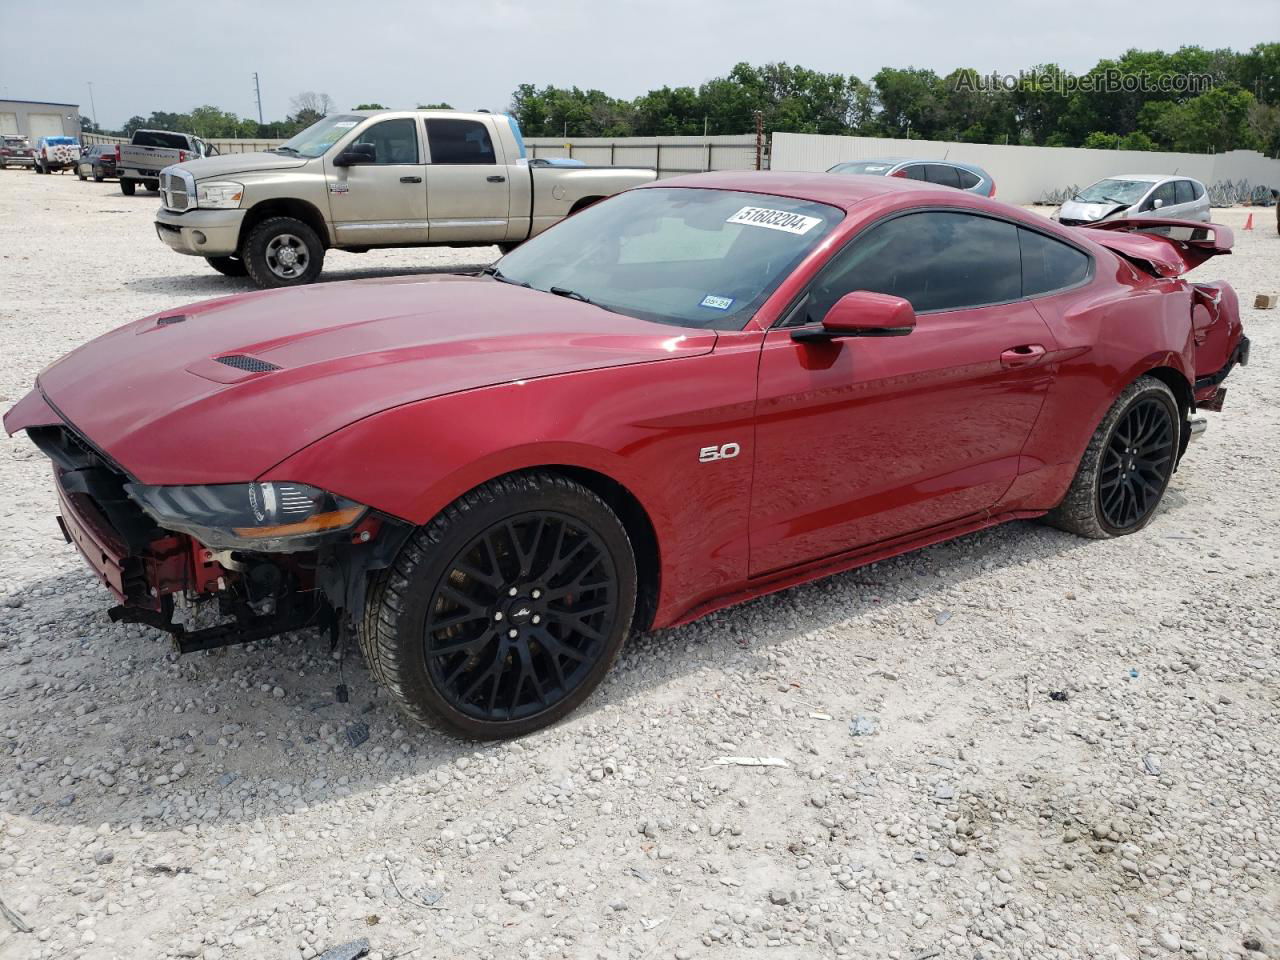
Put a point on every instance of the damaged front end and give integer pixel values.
(274, 557)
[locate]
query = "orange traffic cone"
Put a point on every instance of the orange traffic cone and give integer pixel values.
(1248, 224)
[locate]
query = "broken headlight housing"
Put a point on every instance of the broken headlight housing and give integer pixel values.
(262, 517)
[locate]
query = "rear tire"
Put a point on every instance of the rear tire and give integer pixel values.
(1126, 468)
(228, 266)
(282, 252)
(80, 175)
(533, 554)
(127, 187)
(153, 186)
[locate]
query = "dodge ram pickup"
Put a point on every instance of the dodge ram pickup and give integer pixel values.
(691, 394)
(366, 179)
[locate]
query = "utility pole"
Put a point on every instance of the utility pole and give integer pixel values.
(759, 139)
(92, 109)
(257, 92)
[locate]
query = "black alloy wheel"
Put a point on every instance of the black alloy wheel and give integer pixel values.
(522, 614)
(1136, 464)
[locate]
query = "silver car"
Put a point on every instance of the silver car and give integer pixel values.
(1137, 195)
(946, 173)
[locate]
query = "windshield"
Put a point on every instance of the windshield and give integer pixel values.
(693, 257)
(320, 136)
(1127, 192)
(873, 168)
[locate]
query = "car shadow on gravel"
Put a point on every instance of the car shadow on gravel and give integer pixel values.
(217, 285)
(107, 715)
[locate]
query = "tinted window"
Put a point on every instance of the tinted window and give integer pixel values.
(1049, 264)
(941, 173)
(460, 141)
(393, 141)
(934, 260)
(1182, 191)
(967, 180)
(152, 138)
(1197, 190)
(914, 172)
(1165, 193)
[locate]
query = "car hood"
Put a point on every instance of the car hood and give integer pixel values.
(155, 396)
(1079, 210)
(230, 163)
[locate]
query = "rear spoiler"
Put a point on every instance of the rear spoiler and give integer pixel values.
(1165, 248)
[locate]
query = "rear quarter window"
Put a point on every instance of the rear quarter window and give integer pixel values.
(967, 180)
(1049, 264)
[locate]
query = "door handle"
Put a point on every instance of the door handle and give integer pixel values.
(497, 178)
(1024, 356)
(410, 179)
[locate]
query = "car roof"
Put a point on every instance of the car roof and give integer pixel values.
(836, 189)
(1150, 177)
(971, 167)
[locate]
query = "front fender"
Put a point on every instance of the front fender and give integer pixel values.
(643, 426)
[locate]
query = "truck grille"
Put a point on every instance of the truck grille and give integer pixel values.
(175, 190)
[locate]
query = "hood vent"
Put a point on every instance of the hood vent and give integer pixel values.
(248, 364)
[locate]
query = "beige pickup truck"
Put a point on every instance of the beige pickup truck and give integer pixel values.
(372, 178)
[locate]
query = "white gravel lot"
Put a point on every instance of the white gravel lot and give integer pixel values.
(212, 806)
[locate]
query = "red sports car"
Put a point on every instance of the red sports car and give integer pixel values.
(690, 394)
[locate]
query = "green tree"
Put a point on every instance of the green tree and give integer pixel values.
(1210, 123)
(374, 106)
(435, 106)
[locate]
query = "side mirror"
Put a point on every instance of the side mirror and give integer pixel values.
(862, 314)
(1157, 204)
(355, 155)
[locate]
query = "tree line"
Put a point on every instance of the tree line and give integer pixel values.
(1138, 101)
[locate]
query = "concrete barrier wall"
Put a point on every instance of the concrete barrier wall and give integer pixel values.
(1026, 174)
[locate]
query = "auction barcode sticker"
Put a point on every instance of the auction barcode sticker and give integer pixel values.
(775, 219)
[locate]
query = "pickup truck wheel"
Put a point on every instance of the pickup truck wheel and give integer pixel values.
(1126, 467)
(153, 186)
(228, 266)
(282, 252)
(504, 612)
(127, 187)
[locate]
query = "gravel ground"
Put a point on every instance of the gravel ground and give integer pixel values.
(1067, 749)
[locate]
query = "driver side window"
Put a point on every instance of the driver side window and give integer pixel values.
(393, 141)
(1164, 192)
(935, 260)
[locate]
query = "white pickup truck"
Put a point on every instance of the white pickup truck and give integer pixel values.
(366, 179)
(150, 151)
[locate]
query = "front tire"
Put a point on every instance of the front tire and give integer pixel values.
(282, 252)
(228, 266)
(1126, 468)
(504, 612)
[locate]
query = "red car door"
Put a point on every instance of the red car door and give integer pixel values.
(863, 440)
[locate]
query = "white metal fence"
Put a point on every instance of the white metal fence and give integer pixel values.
(1030, 174)
(670, 156)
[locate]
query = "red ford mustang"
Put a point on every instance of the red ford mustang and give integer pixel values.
(693, 393)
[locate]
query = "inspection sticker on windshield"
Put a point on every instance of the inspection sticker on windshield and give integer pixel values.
(775, 219)
(345, 124)
(716, 303)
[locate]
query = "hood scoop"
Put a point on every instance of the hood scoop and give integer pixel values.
(248, 364)
(232, 368)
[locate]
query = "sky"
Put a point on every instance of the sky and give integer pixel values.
(148, 56)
